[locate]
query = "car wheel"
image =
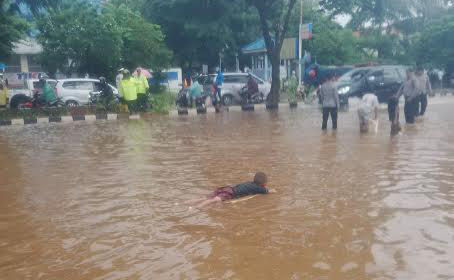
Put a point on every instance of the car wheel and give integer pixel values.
(227, 100)
(71, 103)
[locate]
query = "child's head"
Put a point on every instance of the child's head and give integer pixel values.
(260, 179)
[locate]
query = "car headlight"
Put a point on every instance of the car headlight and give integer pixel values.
(344, 90)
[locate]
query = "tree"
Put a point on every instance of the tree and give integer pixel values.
(35, 6)
(274, 21)
(380, 12)
(12, 28)
(434, 46)
(331, 44)
(143, 42)
(374, 13)
(198, 30)
(77, 38)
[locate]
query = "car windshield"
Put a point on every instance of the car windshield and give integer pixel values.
(353, 76)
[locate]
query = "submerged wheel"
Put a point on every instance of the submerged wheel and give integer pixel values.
(71, 103)
(227, 100)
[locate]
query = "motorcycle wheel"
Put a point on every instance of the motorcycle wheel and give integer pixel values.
(259, 98)
(18, 101)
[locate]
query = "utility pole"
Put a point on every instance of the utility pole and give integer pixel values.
(300, 44)
(220, 61)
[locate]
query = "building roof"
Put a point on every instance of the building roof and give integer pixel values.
(27, 46)
(289, 48)
(257, 46)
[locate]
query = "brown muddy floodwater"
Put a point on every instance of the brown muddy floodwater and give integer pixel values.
(103, 200)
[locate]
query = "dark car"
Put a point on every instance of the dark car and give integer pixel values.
(320, 73)
(383, 81)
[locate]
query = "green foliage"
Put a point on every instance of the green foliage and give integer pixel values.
(197, 30)
(331, 43)
(27, 114)
(162, 102)
(12, 28)
(143, 42)
(99, 43)
(35, 6)
(75, 32)
(275, 18)
(365, 11)
(434, 46)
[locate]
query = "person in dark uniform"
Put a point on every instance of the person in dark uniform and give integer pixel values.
(330, 102)
(106, 95)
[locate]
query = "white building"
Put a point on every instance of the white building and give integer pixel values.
(23, 63)
(261, 64)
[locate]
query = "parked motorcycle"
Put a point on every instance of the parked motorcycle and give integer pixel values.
(247, 98)
(184, 100)
(95, 97)
(22, 101)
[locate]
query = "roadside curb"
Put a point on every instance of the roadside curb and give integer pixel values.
(68, 119)
(249, 108)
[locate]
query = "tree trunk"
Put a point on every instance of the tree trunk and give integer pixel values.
(274, 46)
(276, 79)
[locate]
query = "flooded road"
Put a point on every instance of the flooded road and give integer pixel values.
(103, 200)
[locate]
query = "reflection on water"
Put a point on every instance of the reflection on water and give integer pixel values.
(103, 200)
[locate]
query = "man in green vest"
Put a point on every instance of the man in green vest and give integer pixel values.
(142, 90)
(128, 87)
(292, 88)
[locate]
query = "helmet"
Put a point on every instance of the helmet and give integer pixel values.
(102, 80)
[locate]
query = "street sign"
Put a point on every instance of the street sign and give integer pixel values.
(306, 31)
(2, 66)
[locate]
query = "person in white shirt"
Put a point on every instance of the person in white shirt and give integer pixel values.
(118, 79)
(368, 111)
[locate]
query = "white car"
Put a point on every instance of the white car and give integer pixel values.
(30, 86)
(76, 92)
(234, 82)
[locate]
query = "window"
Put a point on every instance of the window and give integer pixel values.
(391, 75)
(52, 83)
(97, 86)
(79, 85)
(69, 85)
(402, 73)
(230, 80)
(376, 77)
(84, 85)
(258, 81)
(236, 79)
(37, 85)
(242, 79)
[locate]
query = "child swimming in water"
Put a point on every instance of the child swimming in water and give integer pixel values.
(258, 186)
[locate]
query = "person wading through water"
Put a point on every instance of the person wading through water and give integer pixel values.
(330, 102)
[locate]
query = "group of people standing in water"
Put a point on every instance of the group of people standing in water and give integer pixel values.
(415, 90)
